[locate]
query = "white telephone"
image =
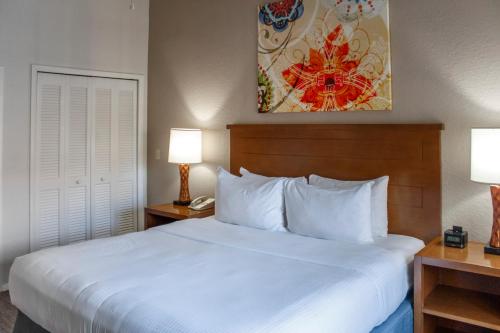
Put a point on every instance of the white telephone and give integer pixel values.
(202, 203)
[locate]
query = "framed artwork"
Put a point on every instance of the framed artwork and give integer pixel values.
(324, 55)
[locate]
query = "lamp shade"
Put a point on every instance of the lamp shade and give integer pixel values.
(185, 146)
(485, 155)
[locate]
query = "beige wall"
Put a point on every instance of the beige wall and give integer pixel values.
(88, 34)
(446, 68)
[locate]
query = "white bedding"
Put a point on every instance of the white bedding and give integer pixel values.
(207, 276)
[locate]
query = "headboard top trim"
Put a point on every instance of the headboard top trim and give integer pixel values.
(429, 126)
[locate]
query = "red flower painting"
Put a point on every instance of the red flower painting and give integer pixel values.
(330, 80)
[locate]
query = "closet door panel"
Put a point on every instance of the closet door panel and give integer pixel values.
(126, 201)
(47, 185)
(77, 219)
(102, 211)
(77, 123)
(102, 109)
(103, 131)
(48, 222)
(49, 123)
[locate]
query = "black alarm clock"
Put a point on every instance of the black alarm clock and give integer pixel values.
(455, 237)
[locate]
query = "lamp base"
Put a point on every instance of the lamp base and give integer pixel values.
(182, 203)
(492, 250)
(184, 197)
(494, 245)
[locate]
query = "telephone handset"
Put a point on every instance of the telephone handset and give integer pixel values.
(202, 203)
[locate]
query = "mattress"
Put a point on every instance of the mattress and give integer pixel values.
(207, 276)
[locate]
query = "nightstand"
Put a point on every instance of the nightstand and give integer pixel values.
(168, 213)
(456, 290)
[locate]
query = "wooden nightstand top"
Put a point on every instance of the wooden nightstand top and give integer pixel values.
(178, 212)
(470, 259)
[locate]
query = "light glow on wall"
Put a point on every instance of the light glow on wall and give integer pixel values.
(204, 104)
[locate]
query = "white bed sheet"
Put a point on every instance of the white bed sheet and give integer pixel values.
(207, 276)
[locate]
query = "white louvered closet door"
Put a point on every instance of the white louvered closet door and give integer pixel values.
(84, 159)
(76, 222)
(125, 177)
(47, 172)
(115, 157)
(102, 158)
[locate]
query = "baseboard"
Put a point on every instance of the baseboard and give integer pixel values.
(5, 287)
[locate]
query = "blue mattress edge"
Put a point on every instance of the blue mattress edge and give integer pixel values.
(400, 321)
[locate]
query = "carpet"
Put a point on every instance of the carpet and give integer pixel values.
(8, 313)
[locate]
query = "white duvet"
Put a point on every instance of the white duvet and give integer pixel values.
(206, 276)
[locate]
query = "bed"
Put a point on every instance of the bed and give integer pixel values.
(208, 276)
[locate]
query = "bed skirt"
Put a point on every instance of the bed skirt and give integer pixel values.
(401, 321)
(26, 325)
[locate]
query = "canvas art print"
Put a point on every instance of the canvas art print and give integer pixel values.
(324, 55)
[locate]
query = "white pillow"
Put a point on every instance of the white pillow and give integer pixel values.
(257, 204)
(338, 214)
(379, 219)
(247, 174)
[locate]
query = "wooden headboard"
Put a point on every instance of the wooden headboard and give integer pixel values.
(409, 154)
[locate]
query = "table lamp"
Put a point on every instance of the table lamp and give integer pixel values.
(485, 168)
(185, 149)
